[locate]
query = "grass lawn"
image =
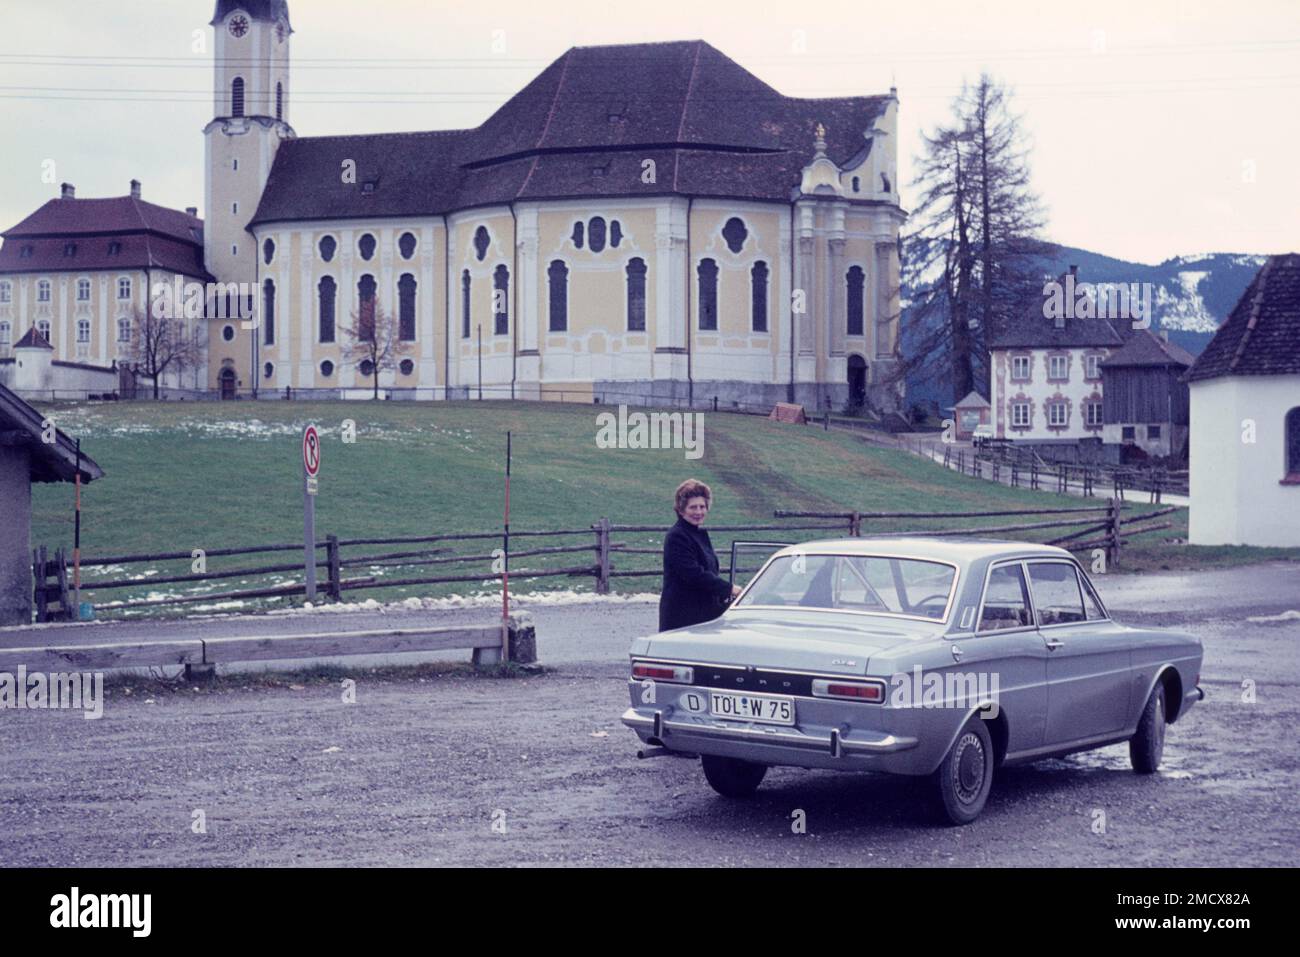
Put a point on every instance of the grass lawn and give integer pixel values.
(181, 476)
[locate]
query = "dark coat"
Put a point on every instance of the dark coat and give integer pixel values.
(693, 589)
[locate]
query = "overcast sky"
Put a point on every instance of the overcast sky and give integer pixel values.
(1158, 128)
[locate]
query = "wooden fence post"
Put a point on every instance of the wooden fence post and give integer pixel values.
(855, 524)
(334, 585)
(38, 572)
(61, 573)
(1113, 534)
(602, 556)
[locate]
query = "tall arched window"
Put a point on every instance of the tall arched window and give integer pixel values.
(366, 308)
(279, 101)
(855, 280)
(557, 275)
(327, 290)
(501, 300)
(1293, 445)
(481, 242)
(636, 295)
(237, 96)
(464, 304)
(758, 296)
(406, 308)
(327, 247)
(708, 273)
(268, 311)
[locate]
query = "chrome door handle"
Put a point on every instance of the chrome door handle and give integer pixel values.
(1054, 643)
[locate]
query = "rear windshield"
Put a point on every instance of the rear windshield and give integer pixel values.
(864, 583)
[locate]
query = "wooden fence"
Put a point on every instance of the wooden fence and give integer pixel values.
(352, 565)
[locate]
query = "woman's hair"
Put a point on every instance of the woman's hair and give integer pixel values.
(691, 488)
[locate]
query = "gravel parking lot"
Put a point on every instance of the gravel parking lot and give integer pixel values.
(459, 770)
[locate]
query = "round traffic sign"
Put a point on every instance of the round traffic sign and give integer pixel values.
(311, 450)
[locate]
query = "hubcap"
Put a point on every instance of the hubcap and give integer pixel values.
(968, 769)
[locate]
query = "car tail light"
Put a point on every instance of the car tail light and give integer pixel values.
(679, 674)
(868, 691)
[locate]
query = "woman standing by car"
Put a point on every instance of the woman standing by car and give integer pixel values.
(693, 592)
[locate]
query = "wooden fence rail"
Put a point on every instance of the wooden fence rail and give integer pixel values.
(1080, 528)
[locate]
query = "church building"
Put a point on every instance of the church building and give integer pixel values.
(639, 223)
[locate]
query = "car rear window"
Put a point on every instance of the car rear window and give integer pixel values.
(868, 584)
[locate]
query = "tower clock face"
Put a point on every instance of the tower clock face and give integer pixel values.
(238, 26)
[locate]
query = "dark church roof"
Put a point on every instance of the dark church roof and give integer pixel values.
(267, 10)
(120, 232)
(1144, 348)
(50, 461)
(583, 128)
(32, 339)
(1261, 335)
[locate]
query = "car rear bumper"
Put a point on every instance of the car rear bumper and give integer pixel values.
(857, 749)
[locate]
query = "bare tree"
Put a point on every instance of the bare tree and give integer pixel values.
(374, 337)
(160, 344)
(973, 259)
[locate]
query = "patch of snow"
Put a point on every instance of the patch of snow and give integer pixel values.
(1185, 309)
(1290, 615)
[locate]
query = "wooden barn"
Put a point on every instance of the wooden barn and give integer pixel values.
(1144, 400)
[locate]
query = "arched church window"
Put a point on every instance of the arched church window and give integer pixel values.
(406, 245)
(237, 96)
(366, 308)
(708, 275)
(636, 295)
(481, 241)
(855, 280)
(268, 251)
(557, 275)
(857, 184)
(406, 307)
(328, 290)
(464, 304)
(735, 233)
(327, 247)
(501, 300)
(366, 246)
(758, 296)
(1293, 445)
(615, 233)
(268, 311)
(578, 234)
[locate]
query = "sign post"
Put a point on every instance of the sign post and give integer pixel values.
(310, 469)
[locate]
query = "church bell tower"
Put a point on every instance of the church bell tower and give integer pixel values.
(250, 120)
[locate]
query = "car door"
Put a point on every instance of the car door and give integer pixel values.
(1007, 647)
(1088, 658)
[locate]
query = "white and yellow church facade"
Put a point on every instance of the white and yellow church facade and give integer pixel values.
(639, 223)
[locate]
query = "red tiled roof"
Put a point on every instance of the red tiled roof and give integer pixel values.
(32, 339)
(148, 236)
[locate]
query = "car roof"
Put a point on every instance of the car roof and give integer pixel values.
(962, 551)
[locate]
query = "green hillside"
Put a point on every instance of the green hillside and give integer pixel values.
(181, 476)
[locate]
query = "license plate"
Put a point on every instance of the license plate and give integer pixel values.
(751, 707)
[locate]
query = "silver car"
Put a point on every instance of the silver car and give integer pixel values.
(910, 656)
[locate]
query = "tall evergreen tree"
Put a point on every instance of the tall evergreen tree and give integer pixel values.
(972, 257)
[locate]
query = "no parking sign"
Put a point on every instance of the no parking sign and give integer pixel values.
(310, 469)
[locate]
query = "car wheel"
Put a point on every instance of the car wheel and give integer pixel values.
(1146, 747)
(965, 776)
(732, 777)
